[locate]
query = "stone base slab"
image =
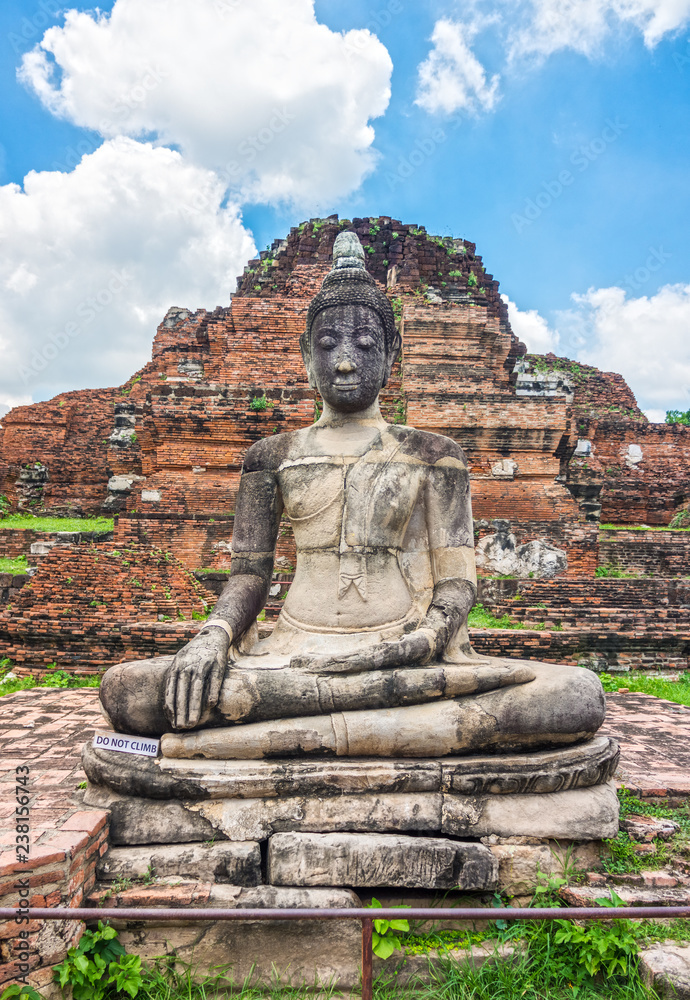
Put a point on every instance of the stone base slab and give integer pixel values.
(578, 814)
(534, 772)
(366, 860)
(235, 863)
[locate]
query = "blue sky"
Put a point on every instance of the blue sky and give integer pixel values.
(557, 141)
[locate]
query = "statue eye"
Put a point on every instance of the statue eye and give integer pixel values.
(327, 343)
(365, 342)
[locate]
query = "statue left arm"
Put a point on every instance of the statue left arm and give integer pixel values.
(450, 532)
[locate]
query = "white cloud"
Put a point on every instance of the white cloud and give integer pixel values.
(532, 329)
(8, 401)
(451, 78)
(656, 416)
(257, 90)
(91, 260)
(646, 339)
(548, 26)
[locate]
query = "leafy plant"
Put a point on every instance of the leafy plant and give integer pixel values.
(260, 403)
(98, 968)
(610, 948)
(384, 939)
(613, 572)
(21, 990)
(681, 519)
(472, 280)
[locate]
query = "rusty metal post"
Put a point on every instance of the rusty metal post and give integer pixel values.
(367, 972)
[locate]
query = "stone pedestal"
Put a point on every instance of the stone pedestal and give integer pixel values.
(333, 832)
(563, 794)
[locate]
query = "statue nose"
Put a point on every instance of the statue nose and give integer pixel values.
(345, 367)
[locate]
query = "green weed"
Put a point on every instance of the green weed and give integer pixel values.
(98, 968)
(22, 522)
(384, 939)
(479, 617)
(661, 687)
(17, 565)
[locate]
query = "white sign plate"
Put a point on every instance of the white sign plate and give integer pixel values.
(145, 745)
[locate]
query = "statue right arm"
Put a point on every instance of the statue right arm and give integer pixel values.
(196, 674)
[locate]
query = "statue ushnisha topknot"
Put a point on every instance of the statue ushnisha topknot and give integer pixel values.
(348, 282)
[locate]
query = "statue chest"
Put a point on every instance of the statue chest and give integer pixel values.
(350, 503)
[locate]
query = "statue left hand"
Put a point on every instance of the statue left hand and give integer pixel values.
(416, 648)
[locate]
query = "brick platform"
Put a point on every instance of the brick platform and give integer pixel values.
(44, 730)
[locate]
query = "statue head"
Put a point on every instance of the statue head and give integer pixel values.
(350, 342)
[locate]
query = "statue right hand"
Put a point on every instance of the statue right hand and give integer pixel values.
(195, 677)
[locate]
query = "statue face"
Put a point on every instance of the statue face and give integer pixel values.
(348, 357)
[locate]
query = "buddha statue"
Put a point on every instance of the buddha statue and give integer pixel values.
(370, 655)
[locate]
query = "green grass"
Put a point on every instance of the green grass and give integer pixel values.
(23, 522)
(639, 527)
(51, 679)
(17, 565)
(528, 977)
(479, 617)
(677, 691)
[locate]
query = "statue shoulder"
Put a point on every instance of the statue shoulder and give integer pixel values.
(429, 447)
(267, 454)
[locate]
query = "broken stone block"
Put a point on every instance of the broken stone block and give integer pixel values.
(356, 859)
(645, 828)
(149, 821)
(587, 895)
(666, 967)
(500, 553)
(237, 863)
(505, 469)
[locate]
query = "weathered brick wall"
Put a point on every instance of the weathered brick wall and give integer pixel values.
(625, 623)
(657, 553)
(15, 542)
(68, 435)
(88, 607)
(198, 541)
(605, 413)
(616, 651)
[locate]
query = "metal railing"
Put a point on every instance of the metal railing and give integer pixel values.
(367, 916)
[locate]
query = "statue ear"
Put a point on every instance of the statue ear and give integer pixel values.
(391, 358)
(305, 348)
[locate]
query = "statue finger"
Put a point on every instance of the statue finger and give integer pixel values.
(181, 699)
(171, 694)
(195, 700)
(216, 682)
